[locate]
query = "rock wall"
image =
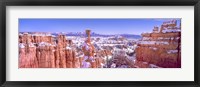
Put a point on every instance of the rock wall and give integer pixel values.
(41, 50)
(162, 48)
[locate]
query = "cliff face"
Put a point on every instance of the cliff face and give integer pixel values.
(41, 50)
(161, 47)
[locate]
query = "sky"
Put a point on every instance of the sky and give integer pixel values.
(100, 26)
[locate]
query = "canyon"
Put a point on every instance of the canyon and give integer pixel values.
(160, 48)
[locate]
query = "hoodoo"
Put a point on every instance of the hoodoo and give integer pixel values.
(88, 50)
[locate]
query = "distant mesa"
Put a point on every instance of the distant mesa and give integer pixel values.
(93, 34)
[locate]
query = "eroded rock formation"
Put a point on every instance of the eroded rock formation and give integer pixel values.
(162, 47)
(43, 50)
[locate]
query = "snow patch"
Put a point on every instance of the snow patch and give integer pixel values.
(21, 45)
(44, 44)
(171, 31)
(172, 51)
(69, 48)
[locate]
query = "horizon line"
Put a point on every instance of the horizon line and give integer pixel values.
(78, 32)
